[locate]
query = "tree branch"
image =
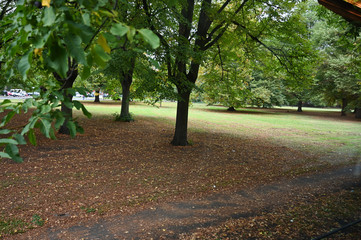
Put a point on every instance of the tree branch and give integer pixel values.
(100, 27)
(224, 28)
(160, 36)
(256, 39)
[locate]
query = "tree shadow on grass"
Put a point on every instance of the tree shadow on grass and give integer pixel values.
(255, 111)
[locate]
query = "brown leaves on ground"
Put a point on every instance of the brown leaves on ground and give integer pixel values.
(300, 220)
(120, 167)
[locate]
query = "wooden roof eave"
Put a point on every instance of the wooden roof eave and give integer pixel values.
(347, 10)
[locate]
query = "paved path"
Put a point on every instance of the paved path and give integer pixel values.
(167, 221)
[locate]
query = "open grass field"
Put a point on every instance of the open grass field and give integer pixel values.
(117, 168)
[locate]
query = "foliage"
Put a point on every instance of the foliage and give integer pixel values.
(46, 117)
(338, 77)
(57, 37)
(119, 118)
(37, 220)
(12, 226)
(227, 76)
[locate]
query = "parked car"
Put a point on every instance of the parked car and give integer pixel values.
(17, 93)
(33, 93)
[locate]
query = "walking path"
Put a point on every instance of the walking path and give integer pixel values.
(168, 221)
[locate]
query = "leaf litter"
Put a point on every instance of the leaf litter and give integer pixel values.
(121, 168)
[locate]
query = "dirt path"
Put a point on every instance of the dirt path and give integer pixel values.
(171, 220)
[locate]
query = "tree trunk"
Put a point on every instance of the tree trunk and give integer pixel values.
(299, 105)
(96, 96)
(126, 81)
(358, 113)
(231, 109)
(66, 83)
(124, 112)
(344, 104)
(181, 127)
(68, 114)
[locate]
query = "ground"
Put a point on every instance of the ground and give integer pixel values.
(118, 170)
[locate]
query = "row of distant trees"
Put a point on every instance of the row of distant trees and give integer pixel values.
(233, 53)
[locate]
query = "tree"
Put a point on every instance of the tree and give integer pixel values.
(125, 53)
(338, 76)
(57, 36)
(196, 27)
(227, 76)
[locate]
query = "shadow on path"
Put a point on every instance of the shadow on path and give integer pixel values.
(168, 221)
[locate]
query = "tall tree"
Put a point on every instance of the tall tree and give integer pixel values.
(338, 76)
(196, 26)
(125, 53)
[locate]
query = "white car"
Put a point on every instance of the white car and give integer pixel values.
(17, 93)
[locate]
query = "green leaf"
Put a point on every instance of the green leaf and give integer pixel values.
(13, 151)
(68, 104)
(28, 103)
(59, 121)
(41, 40)
(30, 125)
(73, 43)
(72, 128)
(85, 112)
(77, 29)
(85, 73)
(56, 103)
(100, 56)
(86, 18)
(102, 41)
(106, 13)
(58, 59)
(131, 33)
(5, 131)
(45, 109)
(77, 104)
(7, 118)
(71, 91)
(150, 37)
(6, 101)
(4, 155)
(49, 16)
(82, 91)
(24, 64)
(45, 127)
(79, 129)
(8, 141)
(20, 139)
(119, 29)
(52, 134)
(32, 137)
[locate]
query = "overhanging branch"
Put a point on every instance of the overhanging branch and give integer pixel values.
(222, 27)
(256, 39)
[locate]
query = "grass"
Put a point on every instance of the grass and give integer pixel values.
(327, 136)
(12, 226)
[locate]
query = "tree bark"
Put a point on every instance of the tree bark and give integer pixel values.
(358, 113)
(344, 105)
(68, 114)
(126, 81)
(67, 82)
(181, 127)
(299, 105)
(124, 112)
(231, 109)
(97, 99)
